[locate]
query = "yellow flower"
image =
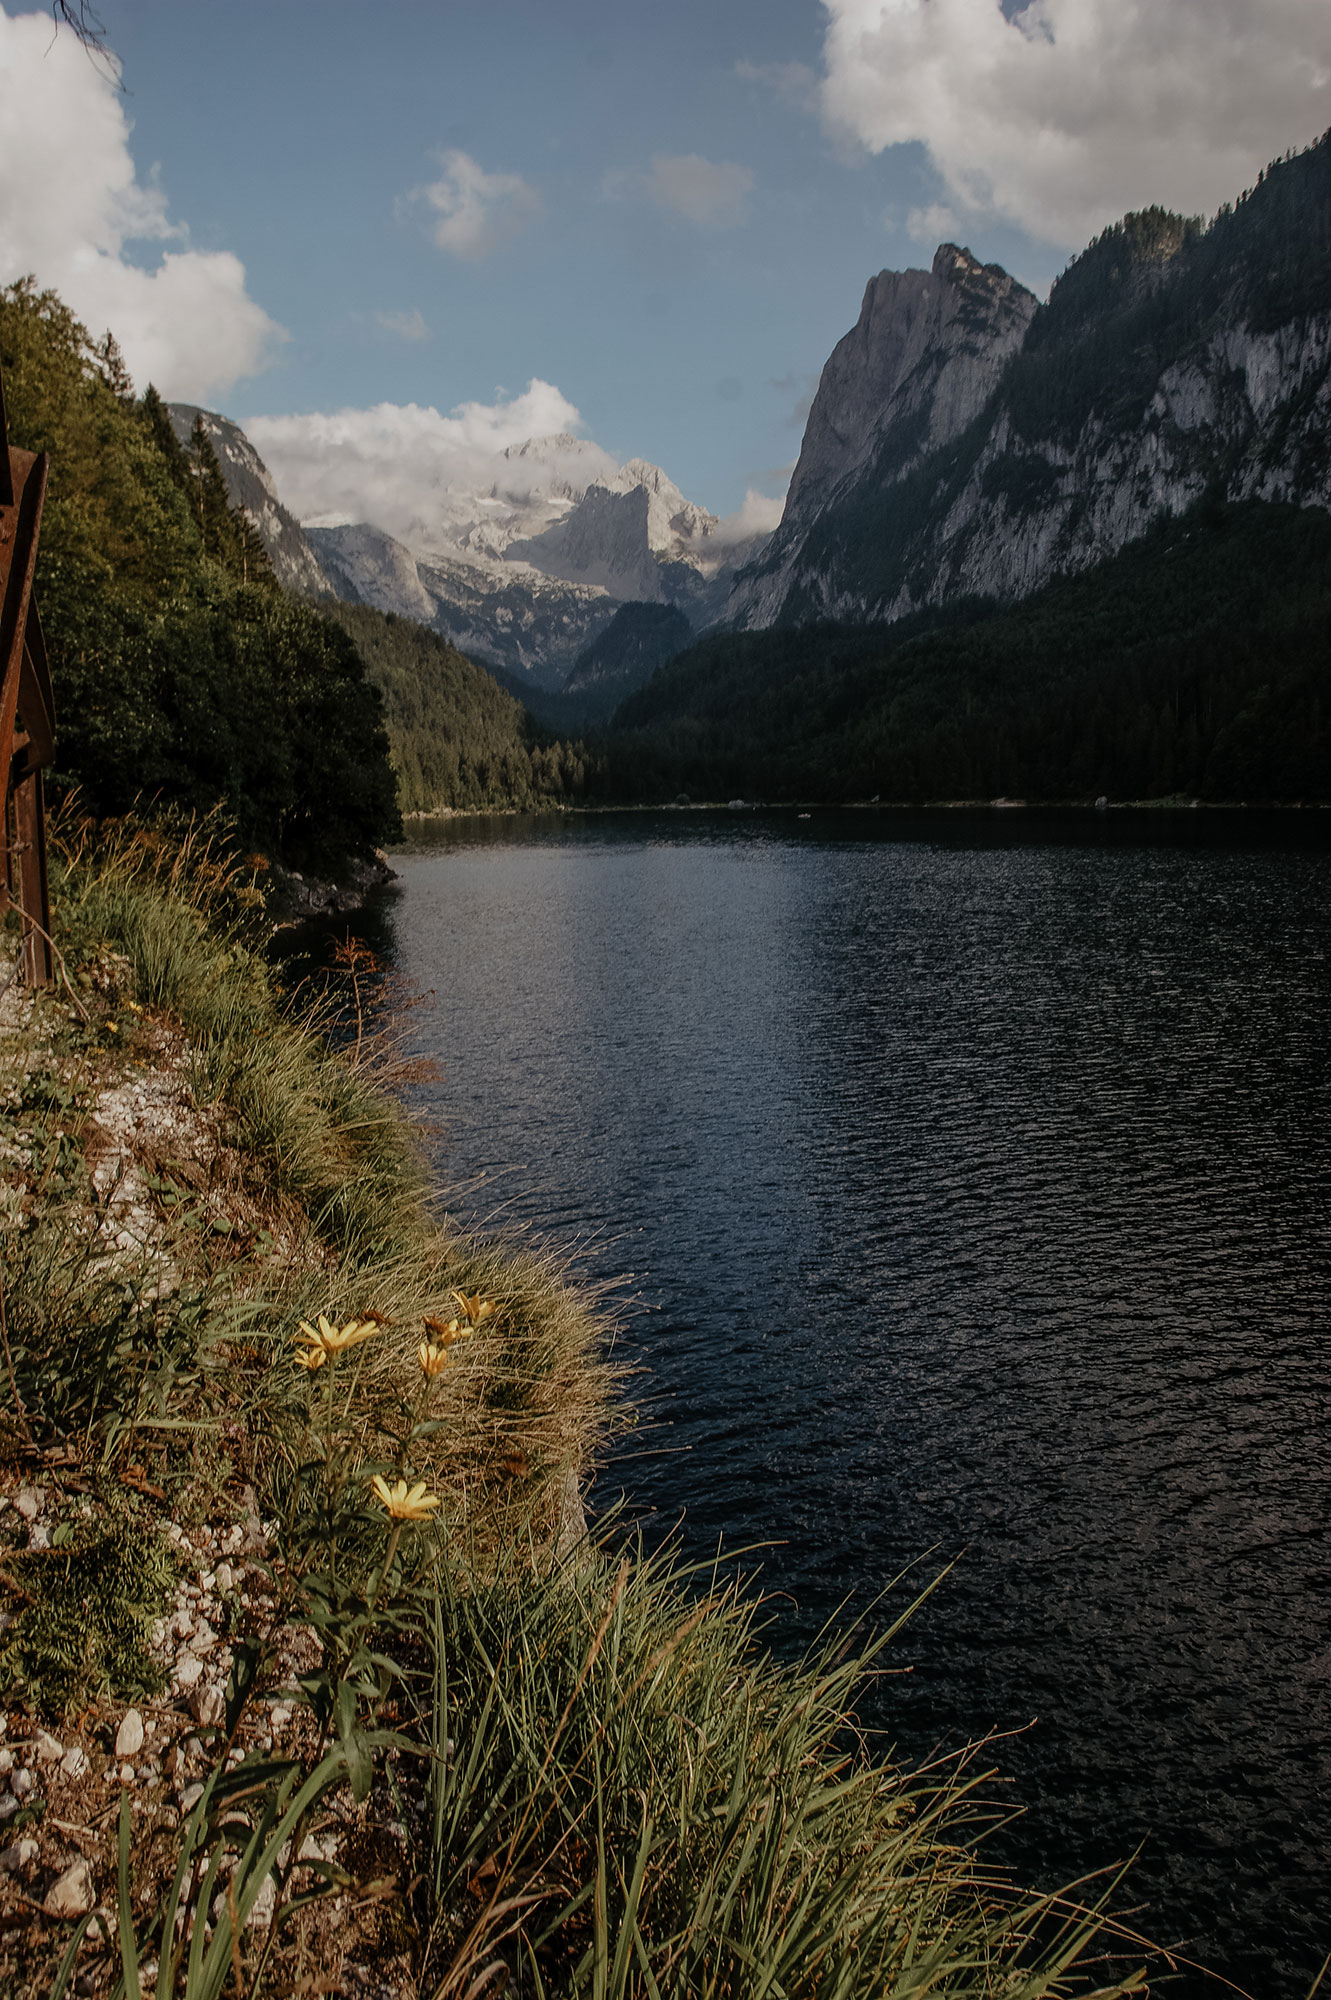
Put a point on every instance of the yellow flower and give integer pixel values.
(401, 1504)
(433, 1359)
(445, 1331)
(311, 1357)
(476, 1308)
(330, 1339)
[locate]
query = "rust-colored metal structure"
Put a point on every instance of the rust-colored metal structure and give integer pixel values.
(27, 712)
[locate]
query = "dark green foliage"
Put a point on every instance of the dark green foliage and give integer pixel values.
(457, 739)
(86, 1611)
(180, 670)
(1198, 662)
(639, 639)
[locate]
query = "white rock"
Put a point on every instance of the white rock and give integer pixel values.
(207, 1580)
(280, 1714)
(188, 1671)
(22, 1783)
(49, 1749)
(209, 1706)
(74, 1763)
(261, 1910)
(72, 1895)
(183, 1624)
(39, 1536)
(204, 1638)
(19, 1854)
(190, 1797)
(6, 1763)
(129, 1736)
(8, 1805)
(30, 1502)
(225, 1577)
(127, 1774)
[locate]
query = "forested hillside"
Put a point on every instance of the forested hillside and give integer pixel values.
(1197, 662)
(182, 673)
(456, 737)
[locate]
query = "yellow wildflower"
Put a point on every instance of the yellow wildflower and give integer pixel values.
(330, 1339)
(445, 1331)
(475, 1308)
(401, 1504)
(310, 1357)
(433, 1359)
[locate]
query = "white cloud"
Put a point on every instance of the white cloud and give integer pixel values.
(712, 193)
(476, 212)
(1075, 111)
(408, 468)
(70, 202)
(756, 515)
(406, 325)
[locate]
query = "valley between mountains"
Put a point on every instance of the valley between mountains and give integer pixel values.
(1061, 550)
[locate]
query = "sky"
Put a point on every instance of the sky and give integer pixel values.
(390, 241)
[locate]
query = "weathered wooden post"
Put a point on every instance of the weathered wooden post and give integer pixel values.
(27, 712)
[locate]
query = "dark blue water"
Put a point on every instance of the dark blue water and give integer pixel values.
(973, 1169)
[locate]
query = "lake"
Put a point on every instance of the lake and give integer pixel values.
(971, 1170)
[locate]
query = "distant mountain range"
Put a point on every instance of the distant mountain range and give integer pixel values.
(967, 448)
(523, 575)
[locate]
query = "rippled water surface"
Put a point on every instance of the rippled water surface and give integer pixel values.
(975, 1170)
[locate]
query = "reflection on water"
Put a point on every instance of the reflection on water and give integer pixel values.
(974, 1167)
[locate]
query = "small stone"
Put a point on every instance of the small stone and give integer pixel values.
(183, 1624)
(209, 1706)
(74, 1763)
(261, 1909)
(72, 1895)
(189, 1671)
(207, 1580)
(19, 1854)
(22, 1783)
(190, 1797)
(8, 1806)
(127, 1774)
(39, 1536)
(225, 1577)
(129, 1736)
(204, 1638)
(29, 1502)
(49, 1749)
(6, 1762)
(280, 1714)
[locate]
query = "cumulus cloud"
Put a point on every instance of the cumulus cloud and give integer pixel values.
(1069, 112)
(714, 194)
(406, 325)
(410, 469)
(70, 204)
(476, 212)
(756, 515)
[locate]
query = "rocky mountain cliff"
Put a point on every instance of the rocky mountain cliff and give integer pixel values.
(248, 484)
(967, 442)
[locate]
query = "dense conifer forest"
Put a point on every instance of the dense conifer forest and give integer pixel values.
(1196, 663)
(182, 673)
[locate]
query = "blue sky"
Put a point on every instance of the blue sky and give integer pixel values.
(666, 213)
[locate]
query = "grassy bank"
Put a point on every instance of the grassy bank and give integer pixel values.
(312, 1681)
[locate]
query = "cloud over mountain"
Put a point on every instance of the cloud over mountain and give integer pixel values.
(71, 202)
(397, 464)
(1061, 115)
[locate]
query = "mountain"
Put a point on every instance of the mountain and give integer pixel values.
(249, 487)
(966, 441)
(523, 572)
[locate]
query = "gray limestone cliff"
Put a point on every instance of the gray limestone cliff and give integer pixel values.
(965, 443)
(249, 486)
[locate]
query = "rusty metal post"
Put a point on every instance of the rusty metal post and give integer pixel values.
(27, 711)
